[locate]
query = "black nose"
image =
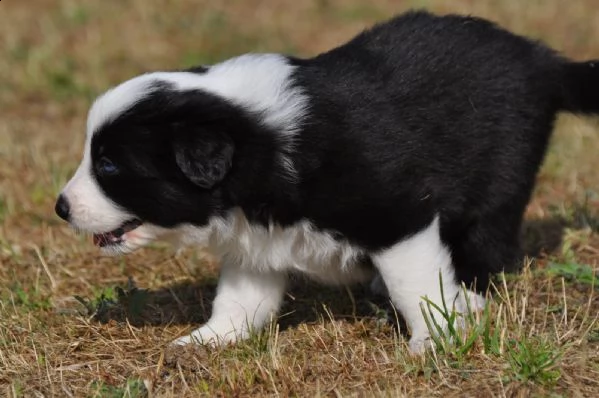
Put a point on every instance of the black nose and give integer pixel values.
(62, 208)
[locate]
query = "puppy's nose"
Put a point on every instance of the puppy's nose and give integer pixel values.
(62, 207)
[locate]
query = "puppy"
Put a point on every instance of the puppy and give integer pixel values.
(409, 153)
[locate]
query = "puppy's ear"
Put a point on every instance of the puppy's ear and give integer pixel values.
(205, 157)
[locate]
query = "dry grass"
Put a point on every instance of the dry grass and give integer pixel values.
(539, 337)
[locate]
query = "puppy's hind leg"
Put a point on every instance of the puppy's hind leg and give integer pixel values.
(245, 301)
(411, 270)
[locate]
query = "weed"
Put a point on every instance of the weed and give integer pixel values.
(133, 388)
(29, 298)
(108, 302)
(459, 332)
(572, 272)
(99, 304)
(534, 359)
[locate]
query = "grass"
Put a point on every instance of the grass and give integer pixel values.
(533, 351)
(533, 359)
(73, 323)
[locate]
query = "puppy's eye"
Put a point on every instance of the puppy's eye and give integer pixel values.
(106, 167)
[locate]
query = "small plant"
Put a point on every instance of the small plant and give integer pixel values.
(134, 388)
(99, 304)
(574, 272)
(131, 301)
(533, 359)
(461, 330)
(491, 336)
(30, 298)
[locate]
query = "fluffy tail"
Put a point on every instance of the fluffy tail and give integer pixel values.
(581, 87)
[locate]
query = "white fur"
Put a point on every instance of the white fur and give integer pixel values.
(255, 262)
(411, 271)
(297, 248)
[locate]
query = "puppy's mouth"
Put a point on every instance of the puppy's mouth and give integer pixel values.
(116, 237)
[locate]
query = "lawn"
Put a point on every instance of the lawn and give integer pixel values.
(74, 323)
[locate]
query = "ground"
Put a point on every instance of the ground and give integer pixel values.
(73, 323)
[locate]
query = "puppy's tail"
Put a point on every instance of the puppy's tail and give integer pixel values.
(580, 87)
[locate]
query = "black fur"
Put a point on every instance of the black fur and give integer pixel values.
(419, 116)
(580, 87)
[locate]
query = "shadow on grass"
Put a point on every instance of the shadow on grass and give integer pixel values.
(190, 303)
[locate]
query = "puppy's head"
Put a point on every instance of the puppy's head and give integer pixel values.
(164, 149)
(155, 158)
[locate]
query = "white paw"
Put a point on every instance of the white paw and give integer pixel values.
(419, 343)
(208, 336)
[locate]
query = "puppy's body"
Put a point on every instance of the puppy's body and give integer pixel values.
(411, 151)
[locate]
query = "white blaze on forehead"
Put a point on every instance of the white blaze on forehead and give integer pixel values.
(117, 100)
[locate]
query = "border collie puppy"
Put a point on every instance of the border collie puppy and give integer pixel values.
(408, 154)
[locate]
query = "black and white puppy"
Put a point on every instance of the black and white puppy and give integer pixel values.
(409, 152)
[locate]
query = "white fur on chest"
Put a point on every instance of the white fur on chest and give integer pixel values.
(297, 248)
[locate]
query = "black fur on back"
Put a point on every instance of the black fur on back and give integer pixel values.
(417, 117)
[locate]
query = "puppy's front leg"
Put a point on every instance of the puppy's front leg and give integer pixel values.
(245, 301)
